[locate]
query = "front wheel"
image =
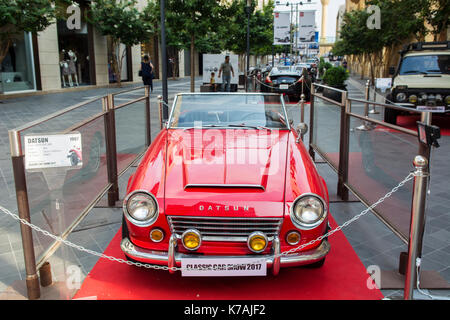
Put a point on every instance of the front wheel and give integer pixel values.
(316, 264)
(390, 115)
(125, 234)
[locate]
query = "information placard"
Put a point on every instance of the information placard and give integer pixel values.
(45, 151)
(223, 267)
(383, 83)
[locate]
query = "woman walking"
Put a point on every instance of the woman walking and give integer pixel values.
(147, 72)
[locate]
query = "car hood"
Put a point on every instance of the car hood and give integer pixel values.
(226, 172)
(437, 81)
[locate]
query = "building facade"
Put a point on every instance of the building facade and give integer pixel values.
(61, 58)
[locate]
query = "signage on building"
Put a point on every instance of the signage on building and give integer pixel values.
(281, 28)
(306, 26)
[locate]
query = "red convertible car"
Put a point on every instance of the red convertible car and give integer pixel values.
(227, 178)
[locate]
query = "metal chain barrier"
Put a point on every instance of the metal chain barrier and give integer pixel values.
(158, 267)
(409, 177)
(372, 87)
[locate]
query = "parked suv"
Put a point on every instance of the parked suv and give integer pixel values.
(422, 79)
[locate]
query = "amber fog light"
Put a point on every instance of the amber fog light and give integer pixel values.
(191, 239)
(157, 235)
(257, 242)
(293, 238)
(413, 98)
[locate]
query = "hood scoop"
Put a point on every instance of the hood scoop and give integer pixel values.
(224, 185)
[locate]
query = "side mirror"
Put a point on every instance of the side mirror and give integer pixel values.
(301, 129)
(391, 71)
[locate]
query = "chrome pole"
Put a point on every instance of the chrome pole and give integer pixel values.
(373, 110)
(365, 125)
(417, 223)
(160, 104)
(302, 110)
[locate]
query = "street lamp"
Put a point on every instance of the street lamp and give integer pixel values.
(248, 9)
(165, 114)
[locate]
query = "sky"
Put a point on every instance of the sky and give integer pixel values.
(333, 8)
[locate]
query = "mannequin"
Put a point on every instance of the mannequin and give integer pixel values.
(64, 68)
(72, 68)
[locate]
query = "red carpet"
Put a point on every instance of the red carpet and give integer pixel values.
(343, 277)
(441, 121)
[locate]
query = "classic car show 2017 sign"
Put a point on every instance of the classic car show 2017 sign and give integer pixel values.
(223, 267)
(53, 151)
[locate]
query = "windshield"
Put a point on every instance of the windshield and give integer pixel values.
(430, 64)
(228, 111)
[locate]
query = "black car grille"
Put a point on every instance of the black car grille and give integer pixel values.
(225, 229)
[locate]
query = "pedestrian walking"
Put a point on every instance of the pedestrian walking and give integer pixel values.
(227, 69)
(146, 72)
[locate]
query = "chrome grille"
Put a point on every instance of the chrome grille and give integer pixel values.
(224, 228)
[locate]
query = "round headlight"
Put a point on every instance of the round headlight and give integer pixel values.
(423, 96)
(447, 100)
(439, 97)
(308, 212)
(141, 208)
(401, 96)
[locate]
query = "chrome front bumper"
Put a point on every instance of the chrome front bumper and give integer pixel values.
(173, 258)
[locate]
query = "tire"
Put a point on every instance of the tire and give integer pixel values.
(94, 161)
(73, 159)
(125, 234)
(316, 264)
(390, 115)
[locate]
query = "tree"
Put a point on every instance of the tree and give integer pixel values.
(124, 23)
(19, 16)
(190, 23)
(400, 21)
(437, 14)
(234, 33)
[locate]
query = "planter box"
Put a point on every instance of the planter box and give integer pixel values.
(333, 94)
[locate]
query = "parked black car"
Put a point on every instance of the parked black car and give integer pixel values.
(288, 81)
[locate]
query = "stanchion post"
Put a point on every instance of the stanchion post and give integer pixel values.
(424, 150)
(417, 226)
(311, 122)
(17, 158)
(373, 110)
(111, 151)
(160, 106)
(148, 125)
(364, 126)
(344, 137)
(45, 274)
(367, 97)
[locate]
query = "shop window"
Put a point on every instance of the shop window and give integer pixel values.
(74, 57)
(17, 68)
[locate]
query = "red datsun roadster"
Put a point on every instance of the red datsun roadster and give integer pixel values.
(226, 178)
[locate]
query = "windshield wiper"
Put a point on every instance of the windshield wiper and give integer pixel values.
(434, 71)
(243, 125)
(205, 126)
(414, 71)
